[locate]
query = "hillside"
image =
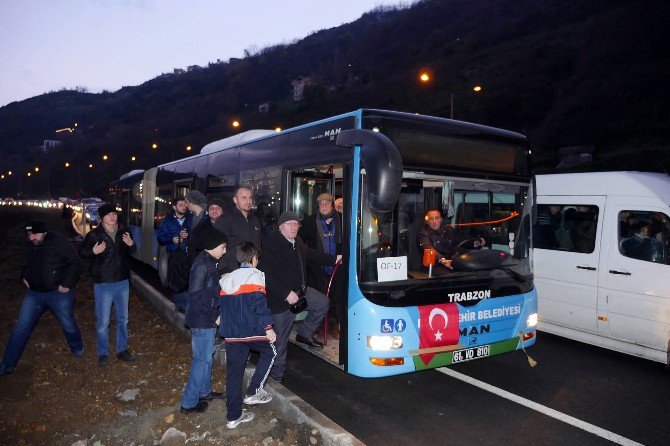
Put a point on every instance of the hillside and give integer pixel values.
(572, 73)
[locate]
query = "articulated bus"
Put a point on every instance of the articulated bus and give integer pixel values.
(399, 313)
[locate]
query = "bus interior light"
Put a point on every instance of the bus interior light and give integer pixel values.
(532, 320)
(382, 362)
(384, 342)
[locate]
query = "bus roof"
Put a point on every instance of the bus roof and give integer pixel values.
(639, 184)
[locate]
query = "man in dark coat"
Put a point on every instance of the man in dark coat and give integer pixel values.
(439, 235)
(108, 247)
(239, 225)
(283, 261)
(50, 275)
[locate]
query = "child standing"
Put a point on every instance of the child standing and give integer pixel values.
(246, 323)
(200, 318)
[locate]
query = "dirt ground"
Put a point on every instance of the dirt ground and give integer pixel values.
(55, 399)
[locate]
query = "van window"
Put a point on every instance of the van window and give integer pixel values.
(566, 227)
(645, 235)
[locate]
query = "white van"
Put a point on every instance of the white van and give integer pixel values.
(601, 260)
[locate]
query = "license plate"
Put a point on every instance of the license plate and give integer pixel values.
(469, 354)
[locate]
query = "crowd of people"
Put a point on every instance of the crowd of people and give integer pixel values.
(231, 286)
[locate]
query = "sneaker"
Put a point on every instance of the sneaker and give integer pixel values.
(78, 354)
(213, 396)
(198, 408)
(260, 397)
(244, 418)
(103, 361)
(125, 356)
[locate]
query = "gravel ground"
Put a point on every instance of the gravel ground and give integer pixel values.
(53, 398)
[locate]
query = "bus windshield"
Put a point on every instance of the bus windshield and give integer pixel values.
(463, 213)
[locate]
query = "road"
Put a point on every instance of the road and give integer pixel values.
(595, 397)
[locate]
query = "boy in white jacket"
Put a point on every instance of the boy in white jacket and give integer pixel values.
(246, 324)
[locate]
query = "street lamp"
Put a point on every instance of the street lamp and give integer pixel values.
(37, 169)
(236, 123)
(67, 164)
(104, 157)
(154, 146)
(188, 148)
(132, 158)
(90, 166)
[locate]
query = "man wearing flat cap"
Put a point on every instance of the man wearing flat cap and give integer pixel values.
(108, 247)
(51, 272)
(283, 261)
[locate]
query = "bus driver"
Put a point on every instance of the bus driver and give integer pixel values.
(439, 235)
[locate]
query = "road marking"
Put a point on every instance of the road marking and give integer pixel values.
(588, 427)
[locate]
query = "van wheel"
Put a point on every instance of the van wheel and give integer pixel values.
(162, 265)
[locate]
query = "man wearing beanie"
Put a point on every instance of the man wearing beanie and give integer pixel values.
(51, 272)
(284, 262)
(215, 207)
(200, 318)
(108, 247)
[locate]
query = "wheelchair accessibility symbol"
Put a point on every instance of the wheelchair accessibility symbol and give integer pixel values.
(386, 326)
(400, 325)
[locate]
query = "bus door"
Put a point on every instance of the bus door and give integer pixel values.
(304, 187)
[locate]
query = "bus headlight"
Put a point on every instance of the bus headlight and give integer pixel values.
(532, 320)
(384, 342)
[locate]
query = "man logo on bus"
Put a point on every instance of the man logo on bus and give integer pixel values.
(438, 327)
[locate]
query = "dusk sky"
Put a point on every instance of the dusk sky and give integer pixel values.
(46, 45)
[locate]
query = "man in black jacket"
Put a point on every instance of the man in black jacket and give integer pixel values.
(51, 272)
(239, 225)
(283, 261)
(108, 247)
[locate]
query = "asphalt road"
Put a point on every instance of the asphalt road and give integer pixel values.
(626, 396)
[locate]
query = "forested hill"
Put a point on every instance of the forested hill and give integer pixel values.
(566, 73)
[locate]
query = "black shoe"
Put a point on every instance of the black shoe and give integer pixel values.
(125, 356)
(311, 343)
(280, 380)
(103, 361)
(78, 354)
(213, 396)
(199, 408)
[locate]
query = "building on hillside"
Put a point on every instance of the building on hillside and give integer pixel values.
(264, 107)
(49, 144)
(193, 68)
(179, 71)
(299, 85)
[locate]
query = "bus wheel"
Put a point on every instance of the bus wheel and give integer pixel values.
(162, 265)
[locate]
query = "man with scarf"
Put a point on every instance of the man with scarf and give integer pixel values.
(323, 231)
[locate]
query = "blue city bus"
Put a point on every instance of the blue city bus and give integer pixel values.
(398, 315)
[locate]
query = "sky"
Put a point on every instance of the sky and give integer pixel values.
(47, 45)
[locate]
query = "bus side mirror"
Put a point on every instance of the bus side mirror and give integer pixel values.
(382, 163)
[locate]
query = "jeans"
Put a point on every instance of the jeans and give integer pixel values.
(106, 294)
(34, 305)
(180, 301)
(200, 376)
(237, 354)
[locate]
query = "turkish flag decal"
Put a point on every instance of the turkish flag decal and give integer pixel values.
(438, 327)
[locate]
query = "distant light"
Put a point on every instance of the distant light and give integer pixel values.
(236, 123)
(29, 174)
(277, 129)
(188, 148)
(67, 164)
(104, 157)
(90, 166)
(424, 77)
(37, 169)
(2, 176)
(76, 124)
(375, 129)
(132, 158)
(477, 88)
(9, 173)
(154, 146)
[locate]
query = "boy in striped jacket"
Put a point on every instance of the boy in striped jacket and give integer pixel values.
(246, 324)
